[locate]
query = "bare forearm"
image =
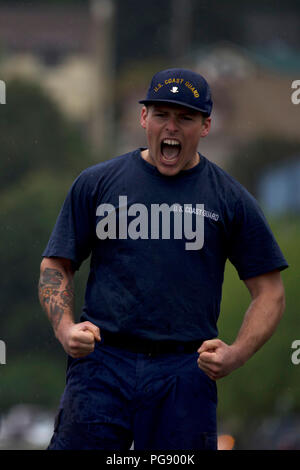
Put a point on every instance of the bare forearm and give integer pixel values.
(56, 293)
(219, 359)
(260, 322)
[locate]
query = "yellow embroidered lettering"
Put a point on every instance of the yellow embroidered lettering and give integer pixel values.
(193, 89)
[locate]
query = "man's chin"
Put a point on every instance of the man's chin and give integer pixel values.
(168, 170)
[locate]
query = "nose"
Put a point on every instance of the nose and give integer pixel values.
(172, 125)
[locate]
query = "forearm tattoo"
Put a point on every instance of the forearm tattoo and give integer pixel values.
(67, 295)
(53, 299)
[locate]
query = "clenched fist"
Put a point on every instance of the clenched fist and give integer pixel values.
(78, 339)
(217, 358)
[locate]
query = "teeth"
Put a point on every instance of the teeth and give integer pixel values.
(171, 142)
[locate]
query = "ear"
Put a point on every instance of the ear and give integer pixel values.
(206, 127)
(144, 113)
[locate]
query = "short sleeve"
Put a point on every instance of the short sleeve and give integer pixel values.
(253, 249)
(74, 231)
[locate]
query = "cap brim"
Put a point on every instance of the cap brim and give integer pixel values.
(184, 105)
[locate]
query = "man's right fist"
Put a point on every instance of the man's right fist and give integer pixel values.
(78, 339)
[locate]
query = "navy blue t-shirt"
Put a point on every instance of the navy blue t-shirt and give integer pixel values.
(159, 244)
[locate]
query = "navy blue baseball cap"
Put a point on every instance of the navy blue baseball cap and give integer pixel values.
(182, 87)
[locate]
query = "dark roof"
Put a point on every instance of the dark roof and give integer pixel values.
(40, 28)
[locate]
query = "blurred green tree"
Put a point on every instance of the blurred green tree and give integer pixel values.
(35, 134)
(41, 154)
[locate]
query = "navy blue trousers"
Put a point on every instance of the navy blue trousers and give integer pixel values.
(114, 397)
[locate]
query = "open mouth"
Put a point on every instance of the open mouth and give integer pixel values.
(170, 149)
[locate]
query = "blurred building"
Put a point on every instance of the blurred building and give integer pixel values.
(69, 51)
(252, 95)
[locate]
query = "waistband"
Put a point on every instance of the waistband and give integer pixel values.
(146, 346)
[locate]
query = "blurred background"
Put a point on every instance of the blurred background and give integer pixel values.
(74, 72)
